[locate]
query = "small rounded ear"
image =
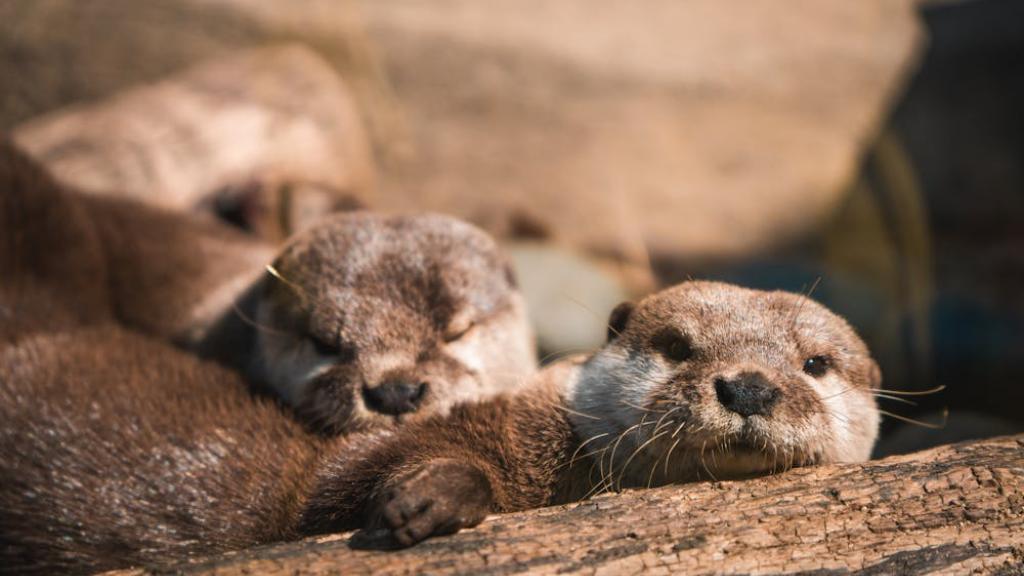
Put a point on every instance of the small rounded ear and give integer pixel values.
(874, 374)
(618, 319)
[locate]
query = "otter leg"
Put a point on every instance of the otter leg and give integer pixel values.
(440, 497)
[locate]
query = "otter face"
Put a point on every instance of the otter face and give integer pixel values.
(716, 381)
(371, 320)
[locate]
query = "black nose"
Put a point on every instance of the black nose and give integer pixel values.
(395, 397)
(747, 394)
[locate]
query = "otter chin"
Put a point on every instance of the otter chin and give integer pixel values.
(708, 380)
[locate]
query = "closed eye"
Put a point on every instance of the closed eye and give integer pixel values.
(343, 353)
(458, 328)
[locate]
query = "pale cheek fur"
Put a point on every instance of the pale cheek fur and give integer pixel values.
(498, 354)
(610, 390)
(852, 419)
(467, 349)
(285, 362)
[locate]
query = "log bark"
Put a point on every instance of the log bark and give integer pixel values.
(950, 510)
(276, 125)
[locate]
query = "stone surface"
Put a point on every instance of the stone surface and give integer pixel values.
(702, 129)
(277, 116)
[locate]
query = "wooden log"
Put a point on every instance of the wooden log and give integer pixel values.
(949, 510)
(274, 125)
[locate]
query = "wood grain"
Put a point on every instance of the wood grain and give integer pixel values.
(951, 510)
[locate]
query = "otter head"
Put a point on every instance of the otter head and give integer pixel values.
(370, 320)
(712, 380)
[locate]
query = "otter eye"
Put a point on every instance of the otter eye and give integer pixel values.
(342, 352)
(817, 366)
(458, 328)
(675, 346)
(323, 348)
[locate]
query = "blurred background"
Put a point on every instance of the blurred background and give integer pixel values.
(870, 153)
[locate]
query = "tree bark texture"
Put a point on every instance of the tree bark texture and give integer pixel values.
(955, 509)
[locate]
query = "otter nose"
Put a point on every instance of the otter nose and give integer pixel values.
(747, 394)
(395, 397)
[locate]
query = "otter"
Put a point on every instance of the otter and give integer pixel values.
(701, 380)
(369, 317)
(362, 320)
(121, 449)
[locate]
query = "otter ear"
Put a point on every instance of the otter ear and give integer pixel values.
(618, 319)
(874, 374)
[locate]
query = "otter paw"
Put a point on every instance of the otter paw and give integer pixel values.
(440, 497)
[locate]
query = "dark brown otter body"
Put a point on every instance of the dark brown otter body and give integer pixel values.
(119, 449)
(700, 380)
(148, 268)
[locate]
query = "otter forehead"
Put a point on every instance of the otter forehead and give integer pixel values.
(371, 319)
(727, 320)
(427, 264)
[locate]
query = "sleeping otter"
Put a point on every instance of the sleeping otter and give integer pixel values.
(120, 449)
(369, 318)
(364, 319)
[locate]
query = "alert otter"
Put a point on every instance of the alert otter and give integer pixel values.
(702, 380)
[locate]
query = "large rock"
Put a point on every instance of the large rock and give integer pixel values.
(704, 129)
(278, 117)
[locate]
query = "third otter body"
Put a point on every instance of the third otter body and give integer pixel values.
(702, 380)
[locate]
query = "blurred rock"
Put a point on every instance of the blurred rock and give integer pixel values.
(617, 132)
(277, 117)
(66, 51)
(701, 129)
(569, 297)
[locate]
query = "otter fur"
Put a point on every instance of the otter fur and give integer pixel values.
(120, 449)
(371, 318)
(367, 319)
(701, 380)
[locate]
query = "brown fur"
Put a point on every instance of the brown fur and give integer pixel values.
(364, 300)
(108, 258)
(388, 289)
(119, 449)
(634, 413)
